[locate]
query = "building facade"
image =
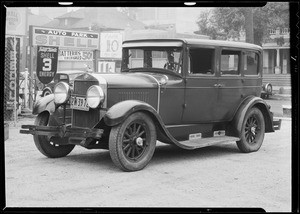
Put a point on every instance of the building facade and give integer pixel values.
(277, 52)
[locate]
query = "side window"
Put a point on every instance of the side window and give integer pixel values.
(251, 60)
(201, 61)
(230, 62)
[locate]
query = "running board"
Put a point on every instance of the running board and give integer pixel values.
(203, 142)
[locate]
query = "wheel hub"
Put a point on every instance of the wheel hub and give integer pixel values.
(253, 130)
(139, 141)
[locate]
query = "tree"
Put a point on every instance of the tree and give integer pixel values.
(231, 21)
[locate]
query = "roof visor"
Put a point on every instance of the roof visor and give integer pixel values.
(127, 44)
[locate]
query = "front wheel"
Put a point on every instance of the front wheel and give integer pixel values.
(46, 93)
(132, 143)
(46, 146)
(253, 131)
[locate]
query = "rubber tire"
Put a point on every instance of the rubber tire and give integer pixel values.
(43, 144)
(115, 144)
(243, 145)
(47, 92)
(269, 91)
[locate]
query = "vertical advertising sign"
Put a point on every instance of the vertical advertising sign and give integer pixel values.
(12, 59)
(47, 58)
(111, 45)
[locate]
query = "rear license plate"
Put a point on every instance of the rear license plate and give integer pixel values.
(79, 103)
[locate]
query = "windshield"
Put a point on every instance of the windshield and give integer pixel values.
(168, 58)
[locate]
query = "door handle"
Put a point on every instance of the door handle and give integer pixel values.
(219, 85)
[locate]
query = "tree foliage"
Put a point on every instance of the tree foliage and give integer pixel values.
(227, 22)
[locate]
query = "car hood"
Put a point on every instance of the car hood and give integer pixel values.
(127, 80)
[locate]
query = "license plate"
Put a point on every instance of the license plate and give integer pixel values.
(79, 103)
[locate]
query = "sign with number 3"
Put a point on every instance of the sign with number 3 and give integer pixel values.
(47, 58)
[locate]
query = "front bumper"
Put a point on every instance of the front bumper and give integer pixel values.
(62, 131)
(276, 124)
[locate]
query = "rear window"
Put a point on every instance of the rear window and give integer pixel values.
(251, 60)
(230, 62)
(61, 77)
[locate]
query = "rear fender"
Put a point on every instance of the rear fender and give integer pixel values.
(247, 104)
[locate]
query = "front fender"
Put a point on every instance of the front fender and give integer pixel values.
(120, 111)
(44, 104)
(246, 105)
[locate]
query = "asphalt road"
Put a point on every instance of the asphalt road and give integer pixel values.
(215, 176)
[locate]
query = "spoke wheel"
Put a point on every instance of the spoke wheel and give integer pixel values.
(253, 131)
(45, 145)
(132, 143)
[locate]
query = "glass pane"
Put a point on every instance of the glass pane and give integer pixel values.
(230, 62)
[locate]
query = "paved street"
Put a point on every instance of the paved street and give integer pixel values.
(216, 176)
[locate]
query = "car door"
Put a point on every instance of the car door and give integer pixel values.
(230, 83)
(200, 88)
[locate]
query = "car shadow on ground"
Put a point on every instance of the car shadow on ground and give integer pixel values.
(164, 153)
(171, 153)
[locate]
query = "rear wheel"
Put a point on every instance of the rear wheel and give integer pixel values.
(253, 131)
(132, 143)
(46, 146)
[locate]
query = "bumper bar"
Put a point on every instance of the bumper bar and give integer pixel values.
(276, 124)
(62, 131)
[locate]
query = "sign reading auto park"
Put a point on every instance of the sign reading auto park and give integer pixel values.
(46, 63)
(64, 38)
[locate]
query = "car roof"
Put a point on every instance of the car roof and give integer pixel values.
(179, 42)
(70, 72)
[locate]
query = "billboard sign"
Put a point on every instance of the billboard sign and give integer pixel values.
(106, 66)
(75, 55)
(47, 58)
(63, 38)
(111, 45)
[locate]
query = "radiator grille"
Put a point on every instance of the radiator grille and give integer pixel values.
(84, 118)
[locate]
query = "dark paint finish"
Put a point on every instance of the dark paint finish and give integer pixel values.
(180, 104)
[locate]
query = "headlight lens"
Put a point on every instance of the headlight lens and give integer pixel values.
(61, 92)
(95, 96)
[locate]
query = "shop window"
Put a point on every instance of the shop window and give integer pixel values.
(230, 62)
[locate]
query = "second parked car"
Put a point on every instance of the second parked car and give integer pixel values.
(64, 76)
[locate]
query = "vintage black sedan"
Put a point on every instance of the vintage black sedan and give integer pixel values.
(187, 92)
(67, 76)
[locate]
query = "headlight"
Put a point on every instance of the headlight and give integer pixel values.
(61, 92)
(94, 96)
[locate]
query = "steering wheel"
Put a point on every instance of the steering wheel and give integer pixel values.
(172, 65)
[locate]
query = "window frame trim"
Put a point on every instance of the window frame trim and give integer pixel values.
(240, 63)
(214, 61)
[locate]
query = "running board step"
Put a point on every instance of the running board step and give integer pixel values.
(203, 142)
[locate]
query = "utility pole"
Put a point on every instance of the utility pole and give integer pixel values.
(248, 14)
